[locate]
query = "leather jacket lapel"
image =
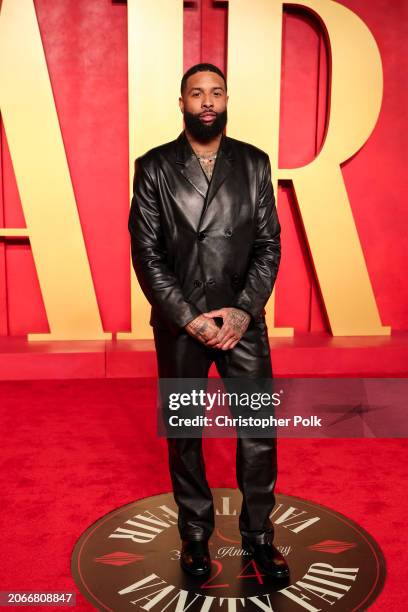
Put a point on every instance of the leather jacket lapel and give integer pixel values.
(190, 168)
(223, 166)
(189, 165)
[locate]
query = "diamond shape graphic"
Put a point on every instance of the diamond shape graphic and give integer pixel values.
(332, 546)
(119, 558)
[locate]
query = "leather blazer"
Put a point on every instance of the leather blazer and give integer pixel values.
(199, 246)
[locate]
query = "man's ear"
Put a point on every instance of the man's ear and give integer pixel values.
(181, 104)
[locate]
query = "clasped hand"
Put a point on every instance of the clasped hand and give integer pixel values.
(204, 328)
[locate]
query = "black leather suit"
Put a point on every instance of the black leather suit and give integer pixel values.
(199, 246)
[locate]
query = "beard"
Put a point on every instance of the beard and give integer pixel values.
(201, 131)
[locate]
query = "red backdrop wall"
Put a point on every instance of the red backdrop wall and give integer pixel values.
(86, 50)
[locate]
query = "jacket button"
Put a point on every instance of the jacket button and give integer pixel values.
(211, 282)
(235, 277)
(201, 236)
(197, 283)
(228, 233)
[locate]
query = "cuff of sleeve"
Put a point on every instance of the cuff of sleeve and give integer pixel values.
(188, 315)
(244, 304)
(247, 311)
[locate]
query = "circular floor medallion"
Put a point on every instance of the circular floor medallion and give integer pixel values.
(129, 560)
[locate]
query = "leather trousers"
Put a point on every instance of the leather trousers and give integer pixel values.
(182, 356)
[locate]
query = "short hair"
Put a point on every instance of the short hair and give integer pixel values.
(203, 67)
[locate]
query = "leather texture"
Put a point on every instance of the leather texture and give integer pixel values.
(195, 557)
(268, 558)
(199, 246)
(182, 356)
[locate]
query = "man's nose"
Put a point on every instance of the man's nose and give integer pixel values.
(207, 103)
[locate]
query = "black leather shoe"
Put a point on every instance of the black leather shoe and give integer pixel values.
(268, 558)
(195, 557)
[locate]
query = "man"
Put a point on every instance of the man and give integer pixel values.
(206, 249)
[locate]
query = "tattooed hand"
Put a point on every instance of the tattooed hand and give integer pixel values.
(235, 324)
(202, 328)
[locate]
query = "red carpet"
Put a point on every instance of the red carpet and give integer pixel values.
(73, 450)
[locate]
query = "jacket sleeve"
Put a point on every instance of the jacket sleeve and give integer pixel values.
(158, 282)
(266, 252)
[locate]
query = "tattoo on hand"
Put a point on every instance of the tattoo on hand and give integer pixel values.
(238, 320)
(202, 329)
(199, 327)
